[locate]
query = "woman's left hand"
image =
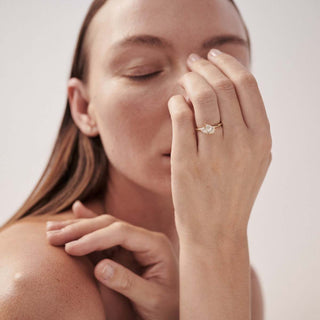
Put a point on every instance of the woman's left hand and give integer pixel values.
(215, 178)
(153, 288)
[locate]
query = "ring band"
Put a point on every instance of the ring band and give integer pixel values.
(209, 129)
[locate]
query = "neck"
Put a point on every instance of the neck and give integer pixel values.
(136, 205)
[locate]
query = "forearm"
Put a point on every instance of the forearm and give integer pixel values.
(215, 281)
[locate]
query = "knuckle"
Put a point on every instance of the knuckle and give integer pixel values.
(265, 127)
(205, 96)
(106, 218)
(186, 77)
(203, 63)
(224, 85)
(73, 228)
(68, 228)
(163, 239)
(268, 142)
(176, 99)
(179, 110)
(182, 116)
(266, 146)
(120, 226)
(247, 79)
(125, 282)
(264, 141)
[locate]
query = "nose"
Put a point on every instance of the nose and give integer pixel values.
(177, 89)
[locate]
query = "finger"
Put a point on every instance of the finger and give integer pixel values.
(229, 106)
(115, 276)
(205, 104)
(148, 247)
(56, 225)
(247, 89)
(76, 230)
(81, 211)
(184, 138)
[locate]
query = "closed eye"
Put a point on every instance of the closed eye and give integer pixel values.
(143, 77)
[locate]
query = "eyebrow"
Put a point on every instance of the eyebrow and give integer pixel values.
(161, 43)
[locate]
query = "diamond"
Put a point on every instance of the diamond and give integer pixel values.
(208, 129)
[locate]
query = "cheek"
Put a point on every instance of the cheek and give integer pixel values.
(133, 126)
(128, 120)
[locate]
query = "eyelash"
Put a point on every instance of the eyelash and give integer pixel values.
(143, 77)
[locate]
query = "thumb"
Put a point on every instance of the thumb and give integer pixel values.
(81, 211)
(116, 277)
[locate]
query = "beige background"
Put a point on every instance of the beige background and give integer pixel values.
(37, 39)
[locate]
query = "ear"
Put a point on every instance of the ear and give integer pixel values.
(79, 108)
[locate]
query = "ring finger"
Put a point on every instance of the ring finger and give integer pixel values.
(228, 102)
(205, 103)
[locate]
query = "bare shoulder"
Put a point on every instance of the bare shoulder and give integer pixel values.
(257, 308)
(40, 281)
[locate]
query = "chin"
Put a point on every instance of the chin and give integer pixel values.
(164, 187)
(158, 182)
(151, 175)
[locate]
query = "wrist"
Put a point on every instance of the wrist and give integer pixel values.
(214, 240)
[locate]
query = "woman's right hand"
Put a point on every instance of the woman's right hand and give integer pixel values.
(153, 289)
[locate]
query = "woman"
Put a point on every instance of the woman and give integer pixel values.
(167, 154)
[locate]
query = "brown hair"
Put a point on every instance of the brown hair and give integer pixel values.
(78, 167)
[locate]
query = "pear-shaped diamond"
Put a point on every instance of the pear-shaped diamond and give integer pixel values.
(208, 129)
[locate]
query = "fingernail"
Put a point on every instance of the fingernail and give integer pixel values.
(77, 203)
(107, 272)
(193, 57)
(71, 244)
(50, 224)
(214, 52)
(52, 232)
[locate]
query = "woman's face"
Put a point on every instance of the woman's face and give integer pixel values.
(132, 115)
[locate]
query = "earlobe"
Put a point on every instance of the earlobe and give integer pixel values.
(79, 107)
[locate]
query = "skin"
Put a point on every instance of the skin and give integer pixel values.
(148, 278)
(152, 200)
(139, 121)
(131, 117)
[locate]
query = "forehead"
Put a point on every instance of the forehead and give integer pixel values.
(185, 24)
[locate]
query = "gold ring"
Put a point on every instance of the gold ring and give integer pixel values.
(209, 129)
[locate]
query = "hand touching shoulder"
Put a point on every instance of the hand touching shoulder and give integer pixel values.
(39, 281)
